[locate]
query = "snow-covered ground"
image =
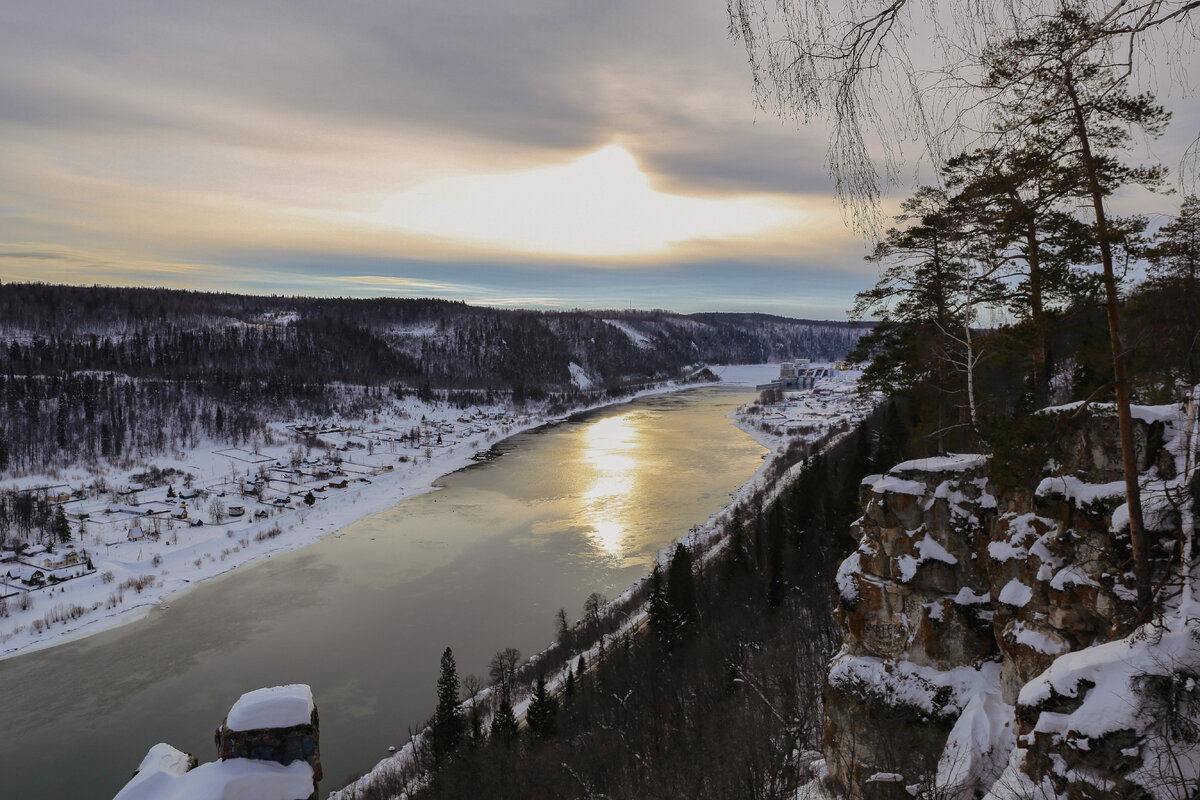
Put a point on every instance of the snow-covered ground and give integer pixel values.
(143, 545)
(807, 414)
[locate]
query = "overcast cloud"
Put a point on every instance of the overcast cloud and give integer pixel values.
(240, 145)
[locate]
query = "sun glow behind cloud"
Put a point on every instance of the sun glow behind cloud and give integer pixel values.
(599, 205)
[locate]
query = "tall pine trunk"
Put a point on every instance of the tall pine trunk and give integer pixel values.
(1137, 533)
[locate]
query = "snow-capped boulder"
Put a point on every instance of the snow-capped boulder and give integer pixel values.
(267, 749)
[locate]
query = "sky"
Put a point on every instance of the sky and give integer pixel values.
(535, 153)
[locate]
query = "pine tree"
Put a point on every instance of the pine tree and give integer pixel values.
(918, 301)
(62, 528)
(504, 724)
(1061, 78)
(681, 592)
(448, 724)
(563, 628)
(1175, 278)
(777, 542)
(735, 561)
(542, 715)
(893, 440)
(662, 622)
(62, 422)
(106, 440)
(569, 688)
(1013, 191)
(309, 498)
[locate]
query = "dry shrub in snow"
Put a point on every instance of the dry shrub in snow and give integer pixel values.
(138, 583)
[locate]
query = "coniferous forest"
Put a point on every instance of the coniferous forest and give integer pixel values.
(100, 373)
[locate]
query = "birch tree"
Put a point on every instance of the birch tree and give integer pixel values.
(935, 273)
(852, 65)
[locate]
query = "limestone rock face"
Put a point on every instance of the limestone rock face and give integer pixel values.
(959, 590)
(915, 586)
(914, 603)
(1092, 447)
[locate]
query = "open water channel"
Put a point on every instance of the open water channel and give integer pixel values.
(364, 614)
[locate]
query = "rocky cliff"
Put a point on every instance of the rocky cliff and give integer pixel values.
(267, 749)
(992, 643)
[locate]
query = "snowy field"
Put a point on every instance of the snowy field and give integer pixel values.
(220, 507)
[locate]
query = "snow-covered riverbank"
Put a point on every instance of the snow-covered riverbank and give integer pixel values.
(814, 416)
(136, 545)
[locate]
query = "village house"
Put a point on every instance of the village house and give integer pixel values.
(130, 492)
(56, 493)
(25, 574)
(66, 556)
(38, 566)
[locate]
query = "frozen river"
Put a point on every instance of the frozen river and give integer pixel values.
(364, 614)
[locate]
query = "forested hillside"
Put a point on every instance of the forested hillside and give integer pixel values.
(95, 372)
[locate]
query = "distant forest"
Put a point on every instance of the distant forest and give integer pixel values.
(90, 373)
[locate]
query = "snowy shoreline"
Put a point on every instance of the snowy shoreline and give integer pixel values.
(833, 403)
(133, 579)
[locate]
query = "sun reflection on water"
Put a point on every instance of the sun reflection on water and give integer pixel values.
(610, 449)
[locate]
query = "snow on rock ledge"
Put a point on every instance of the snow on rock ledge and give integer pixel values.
(895, 485)
(1079, 492)
(274, 707)
(951, 463)
(235, 779)
(1119, 714)
(267, 750)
